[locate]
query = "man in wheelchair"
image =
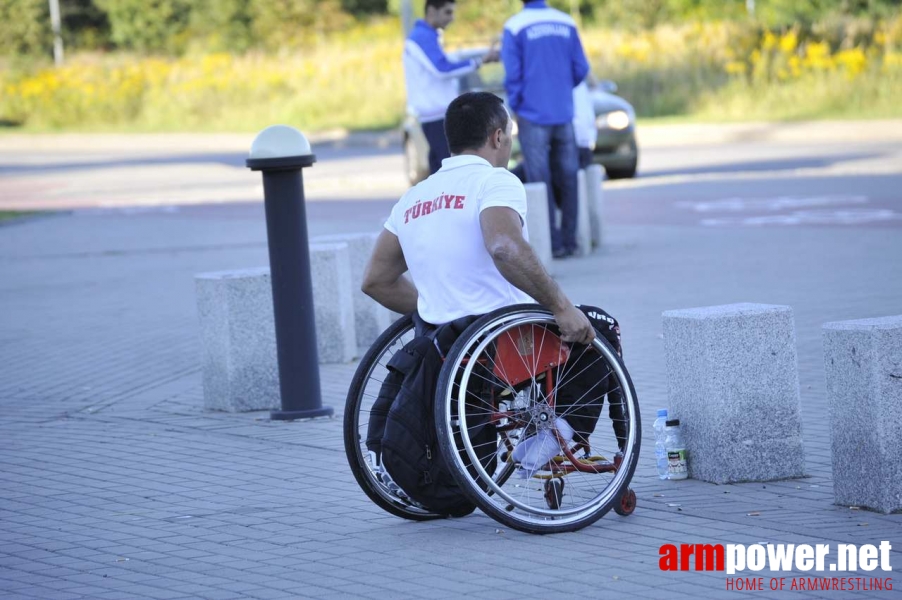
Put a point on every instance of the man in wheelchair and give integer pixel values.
(462, 235)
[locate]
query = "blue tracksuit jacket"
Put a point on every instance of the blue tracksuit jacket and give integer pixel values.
(543, 61)
(432, 80)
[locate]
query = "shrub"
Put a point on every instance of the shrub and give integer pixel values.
(25, 27)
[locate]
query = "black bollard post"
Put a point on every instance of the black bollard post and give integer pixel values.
(280, 152)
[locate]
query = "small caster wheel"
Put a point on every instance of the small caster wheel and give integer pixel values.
(554, 492)
(627, 503)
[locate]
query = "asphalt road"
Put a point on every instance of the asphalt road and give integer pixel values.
(833, 174)
(764, 184)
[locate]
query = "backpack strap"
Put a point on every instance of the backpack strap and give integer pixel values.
(446, 334)
(406, 359)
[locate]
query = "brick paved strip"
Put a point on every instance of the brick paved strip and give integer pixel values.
(108, 466)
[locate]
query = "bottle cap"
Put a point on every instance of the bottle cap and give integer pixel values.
(672, 423)
(662, 412)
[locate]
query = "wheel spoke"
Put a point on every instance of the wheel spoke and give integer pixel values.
(591, 374)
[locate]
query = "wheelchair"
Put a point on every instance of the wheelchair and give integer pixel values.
(511, 373)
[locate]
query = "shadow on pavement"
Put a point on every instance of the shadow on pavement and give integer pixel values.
(324, 151)
(783, 164)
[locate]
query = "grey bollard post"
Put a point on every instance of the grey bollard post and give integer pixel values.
(537, 222)
(583, 215)
(280, 152)
(594, 175)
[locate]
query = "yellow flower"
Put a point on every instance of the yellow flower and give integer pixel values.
(736, 67)
(817, 56)
(853, 61)
(795, 66)
(789, 42)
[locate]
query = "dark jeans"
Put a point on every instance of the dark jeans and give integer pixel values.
(438, 145)
(550, 155)
(586, 157)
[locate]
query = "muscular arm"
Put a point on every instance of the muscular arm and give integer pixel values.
(518, 263)
(384, 280)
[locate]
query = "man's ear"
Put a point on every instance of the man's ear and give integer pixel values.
(497, 138)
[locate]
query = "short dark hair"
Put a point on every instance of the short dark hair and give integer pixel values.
(436, 4)
(471, 118)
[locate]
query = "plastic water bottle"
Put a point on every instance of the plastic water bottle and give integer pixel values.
(677, 454)
(660, 451)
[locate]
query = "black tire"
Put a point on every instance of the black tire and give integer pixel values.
(627, 172)
(510, 500)
(364, 388)
(627, 503)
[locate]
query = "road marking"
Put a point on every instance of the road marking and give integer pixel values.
(769, 204)
(887, 167)
(811, 217)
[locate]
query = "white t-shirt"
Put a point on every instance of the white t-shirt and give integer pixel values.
(437, 224)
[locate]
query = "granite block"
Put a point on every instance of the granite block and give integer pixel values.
(240, 364)
(537, 222)
(863, 364)
(370, 318)
(732, 380)
(333, 303)
(240, 370)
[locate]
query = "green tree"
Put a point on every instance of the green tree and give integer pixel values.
(222, 25)
(642, 13)
(25, 27)
(84, 24)
(148, 25)
(365, 7)
(279, 24)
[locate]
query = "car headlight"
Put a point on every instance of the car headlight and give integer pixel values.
(618, 119)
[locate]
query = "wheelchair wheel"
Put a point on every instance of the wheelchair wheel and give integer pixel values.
(509, 381)
(362, 395)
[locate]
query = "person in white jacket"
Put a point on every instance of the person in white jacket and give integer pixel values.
(432, 80)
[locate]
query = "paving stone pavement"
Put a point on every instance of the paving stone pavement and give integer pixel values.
(115, 484)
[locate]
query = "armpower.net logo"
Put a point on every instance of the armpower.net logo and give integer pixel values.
(741, 562)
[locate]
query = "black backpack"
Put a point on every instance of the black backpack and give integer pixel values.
(402, 423)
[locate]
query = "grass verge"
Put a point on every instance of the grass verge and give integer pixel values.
(7, 215)
(704, 71)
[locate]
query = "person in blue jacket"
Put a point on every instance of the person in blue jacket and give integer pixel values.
(432, 80)
(543, 61)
